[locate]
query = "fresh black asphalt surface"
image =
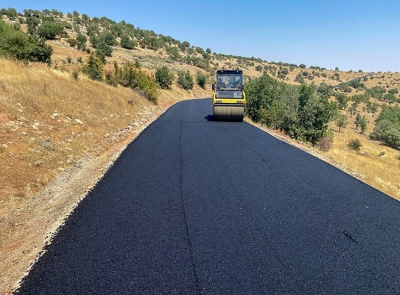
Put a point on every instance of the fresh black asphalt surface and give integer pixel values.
(195, 206)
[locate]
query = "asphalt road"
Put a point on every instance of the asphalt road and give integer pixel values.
(195, 206)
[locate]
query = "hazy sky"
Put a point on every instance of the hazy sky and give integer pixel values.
(351, 34)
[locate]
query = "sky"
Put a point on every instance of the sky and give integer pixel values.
(351, 35)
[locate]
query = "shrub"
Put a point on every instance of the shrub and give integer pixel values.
(164, 77)
(110, 79)
(299, 78)
(355, 144)
(173, 52)
(72, 42)
(75, 74)
(135, 78)
(201, 79)
(324, 144)
(185, 80)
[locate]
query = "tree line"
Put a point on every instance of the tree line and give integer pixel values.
(299, 110)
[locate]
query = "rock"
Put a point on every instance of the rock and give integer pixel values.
(70, 160)
(35, 128)
(38, 163)
(78, 122)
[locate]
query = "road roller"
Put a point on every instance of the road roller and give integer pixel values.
(229, 98)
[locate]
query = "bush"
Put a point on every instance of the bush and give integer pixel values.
(185, 80)
(201, 79)
(173, 52)
(75, 74)
(299, 78)
(324, 144)
(164, 77)
(110, 79)
(72, 42)
(355, 144)
(135, 78)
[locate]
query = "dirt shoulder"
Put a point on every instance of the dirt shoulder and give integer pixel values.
(25, 231)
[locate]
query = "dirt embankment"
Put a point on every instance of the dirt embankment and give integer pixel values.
(30, 223)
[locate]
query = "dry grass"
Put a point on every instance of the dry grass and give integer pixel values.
(48, 120)
(374, 163)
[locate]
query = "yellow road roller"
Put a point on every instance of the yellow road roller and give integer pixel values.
(229, 98)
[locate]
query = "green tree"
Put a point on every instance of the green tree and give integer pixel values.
(94, 68)
(81, 42)
(32, 22)
(353, 109)
(164, 77)
(387, 127)
(17, 44)
(127, 43)
(12, 13)
(109, 39)
(49, 30)
(357, 120)
(341, 121)
(363, 124)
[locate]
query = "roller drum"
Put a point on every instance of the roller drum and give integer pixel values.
(229, 113)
